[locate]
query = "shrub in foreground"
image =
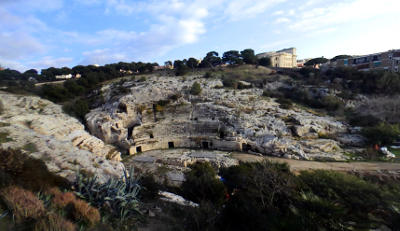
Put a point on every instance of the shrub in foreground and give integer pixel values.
(202, 184)
(23, 204)
(54, 222)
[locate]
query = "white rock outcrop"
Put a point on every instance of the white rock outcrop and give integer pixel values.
(160, 113)
(40, 128)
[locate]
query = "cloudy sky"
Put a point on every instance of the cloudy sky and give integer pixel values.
(43, 33)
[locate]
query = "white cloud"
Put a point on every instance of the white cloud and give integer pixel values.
(239, 9)
(282, 20)
(49, 61)
(343, 12)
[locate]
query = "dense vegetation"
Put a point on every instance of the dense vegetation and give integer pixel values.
(32, 198)
(267, 196)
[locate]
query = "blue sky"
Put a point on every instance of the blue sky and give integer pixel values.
(43, 33)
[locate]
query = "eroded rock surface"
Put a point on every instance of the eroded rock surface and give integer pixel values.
(40, 128)
(160, 113)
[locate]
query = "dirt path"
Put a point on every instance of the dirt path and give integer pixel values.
(299, 165)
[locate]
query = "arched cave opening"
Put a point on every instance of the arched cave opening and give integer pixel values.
(171, 145)
(139, 149)
(204, 144)
(130, 131)
(122, 108)
(246, 147)
(151, 136)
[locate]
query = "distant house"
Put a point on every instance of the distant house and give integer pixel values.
(285, 58)
(68, 76)
(77, 76)
(388, 60)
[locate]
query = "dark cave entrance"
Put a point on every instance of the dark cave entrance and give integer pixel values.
(171, 145)
(130, 131)
(139, 149)
(205, 145)
(246, 147)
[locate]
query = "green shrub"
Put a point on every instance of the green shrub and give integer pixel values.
(285, 103)
(119, 195)
(230, 82)
(1, 107)
(78, 109)
(195, 89)
(202, 184)
(20, 169)
(382, 134)
(208, 75)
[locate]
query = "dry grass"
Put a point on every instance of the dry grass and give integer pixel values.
(22, 203)
(31, 173)
(54, 222)
(61, 200)
(78, 209)
(84, 212)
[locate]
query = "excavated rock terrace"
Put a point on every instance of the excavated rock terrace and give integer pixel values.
(160, 113)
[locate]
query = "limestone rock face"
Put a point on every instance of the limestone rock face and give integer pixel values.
(161, 113)
(40, 128)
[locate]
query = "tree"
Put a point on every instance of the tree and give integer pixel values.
(196, 89)
(192, 63)
(180, 67)
(31, 72)
(232, 57)
(248, 56)
(340, 57)
(168, 63)
(265, 61)
(316, 61)
(211, 60)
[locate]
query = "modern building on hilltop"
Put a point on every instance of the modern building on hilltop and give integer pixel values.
(286, 58)
(389, 61)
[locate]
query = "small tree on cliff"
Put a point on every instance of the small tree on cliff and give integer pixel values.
(196, 89)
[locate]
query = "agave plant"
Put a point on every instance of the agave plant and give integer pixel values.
(118, 195)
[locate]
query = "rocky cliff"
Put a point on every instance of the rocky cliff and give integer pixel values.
(161, 113)
(40, 128)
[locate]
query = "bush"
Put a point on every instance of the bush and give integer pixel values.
(22, 203)
(382, 134)
(118, 195)
(208, 75)
(1, 107)
(195, 89)
(230, 82)
(78, 109)
(28, 172)
(285, 103)
(54, 222)
(79, 210)
(202, 184)
(149, 186)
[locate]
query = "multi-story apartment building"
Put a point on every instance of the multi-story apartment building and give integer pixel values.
(286, 58)
(389, 60)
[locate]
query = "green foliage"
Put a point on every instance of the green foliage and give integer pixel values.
(202, 184)
(195, 89)
(119, 195)
(30, 147)
(248, 56)
(211, 60)
(316, 61)
(230, 82)
(1, 107)
(267, 196)
(266, 62)
(382, 134)
(285, 103)
(340, 57)
(19, 169)
(180, 68)
(78, 109)
(4, 137)
(232, 58)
